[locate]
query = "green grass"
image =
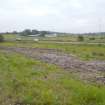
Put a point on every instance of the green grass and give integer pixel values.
(83, 51)
(26, 81)
(74, 38)
(9, 36)
(61, 38)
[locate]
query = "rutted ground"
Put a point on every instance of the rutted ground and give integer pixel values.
(92, 71)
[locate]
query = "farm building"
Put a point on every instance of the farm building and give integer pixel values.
(27, 38)
(51, 35)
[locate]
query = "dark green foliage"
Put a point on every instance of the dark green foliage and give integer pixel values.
(80, 38)
(92, 38)
(34, 32)
(26, 32)
(98, 54)
(1, 38)
(43, 33)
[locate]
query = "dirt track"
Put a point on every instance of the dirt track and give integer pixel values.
(86, 70)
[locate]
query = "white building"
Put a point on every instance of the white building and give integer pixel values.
(51, 35)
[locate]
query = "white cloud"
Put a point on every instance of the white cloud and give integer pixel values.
(57, 15)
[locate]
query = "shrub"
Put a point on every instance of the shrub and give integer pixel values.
(94, 53)
(1, 38)
(97, 54)
(92, 38)
(80, 38)
(101, 54)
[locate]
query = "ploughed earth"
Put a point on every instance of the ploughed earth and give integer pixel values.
(87, 70)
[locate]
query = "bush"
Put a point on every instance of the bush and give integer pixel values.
(97, 54)
(1, 38)
(92, 38)
(80, 38)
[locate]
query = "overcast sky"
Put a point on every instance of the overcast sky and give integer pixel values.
(54, 15)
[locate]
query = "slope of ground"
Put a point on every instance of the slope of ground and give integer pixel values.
(24, 81)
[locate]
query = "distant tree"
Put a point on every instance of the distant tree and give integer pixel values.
(14, 32)
(35, 32)
(26, 32)
(43, 33)
(80, 38)
(1, 38)
(6, 32)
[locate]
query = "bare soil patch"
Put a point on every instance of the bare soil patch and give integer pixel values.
(91, 70)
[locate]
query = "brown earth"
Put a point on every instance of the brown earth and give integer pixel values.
(87, 70)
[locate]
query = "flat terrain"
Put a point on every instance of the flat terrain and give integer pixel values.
(87, 70)
(60, 38)
(52, 74)
(83, 51)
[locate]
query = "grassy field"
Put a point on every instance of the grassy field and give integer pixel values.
(9, 36)
(60, 38)
(74, 38)
(26, 81)
(83, 51)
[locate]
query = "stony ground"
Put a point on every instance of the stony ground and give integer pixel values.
(87, 70)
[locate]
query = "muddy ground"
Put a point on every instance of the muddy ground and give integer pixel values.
(86, 70)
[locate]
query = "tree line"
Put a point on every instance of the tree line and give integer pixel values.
(27, 32)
